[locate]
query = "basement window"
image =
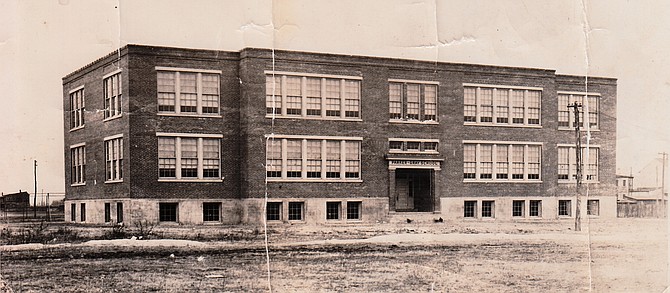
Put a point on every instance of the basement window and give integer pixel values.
(295, 211)
(167, 212)
(354, 210)
(273, 211)
(333, 210)
(211, 212)
(469, 208)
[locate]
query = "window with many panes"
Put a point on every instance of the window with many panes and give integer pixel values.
(189, 157)
(78, 164)
(114, 159)
(488, 209)
(497, 105)
(535, 208)
(483, 161)
(469, 209)
(354, 210)
(412, 101)
(593, 207)
(211, 211)
(398, 145)
(167, 211)
(333, 210)
(77, 108)
(590, 104)
(113, 98)
(296, 211)
(518, 208)
(188, 91)
(564, 207)
(273, 211)
(312, 96)
(293, 158)
(567, 163)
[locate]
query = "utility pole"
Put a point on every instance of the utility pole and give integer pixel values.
(35, 197)
(578, 152)
(661, 200)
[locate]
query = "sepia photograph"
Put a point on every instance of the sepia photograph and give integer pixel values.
(334, 146)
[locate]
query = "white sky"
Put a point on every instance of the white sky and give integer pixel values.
(42, 41)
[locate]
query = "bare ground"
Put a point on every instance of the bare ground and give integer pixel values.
(624, 255)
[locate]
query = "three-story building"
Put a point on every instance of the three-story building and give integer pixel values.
(204, 136)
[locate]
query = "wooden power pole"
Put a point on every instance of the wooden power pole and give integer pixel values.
(35, 197)
(661, 200)
(578, 152)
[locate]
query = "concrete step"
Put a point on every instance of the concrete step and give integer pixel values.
(414, 217)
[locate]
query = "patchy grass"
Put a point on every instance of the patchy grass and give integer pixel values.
(625, 255)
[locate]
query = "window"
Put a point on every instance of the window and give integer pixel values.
(273, 211)
(211, 211)
(167, 211)
(488, 208)
(112, 90)
(501, 162)
(535, 208)
(313, 158)
(114, 159)
(518, 207)
(469, 209)
(295, 211)
(354, 210)
(593, 207)
(108, 212)
(333, 210)
(78, 165)
(567, 163)
(397, 145)
(73, 212)
(188, 92)
(77, 108)
(412, 101)
(82, 211)
(312, 96)
(495, 105)
(189, 157)
(274, 158)
(589, 104)
(469, 161)
(564, 208)
(119, 212)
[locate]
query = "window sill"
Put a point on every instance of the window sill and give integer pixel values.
(211, 223)
(414, 152)
(190, 115)
(77, 128)
(114, 181)
(426, 122)
(502, 181)
(188, 180)
(575, 182)
(582, 129)
(352, 119)
(300, 180)
(78, 184)
(112, 118)
(501, 125)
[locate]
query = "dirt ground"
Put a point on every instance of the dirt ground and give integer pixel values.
(623, 255)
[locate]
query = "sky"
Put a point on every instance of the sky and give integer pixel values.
(42, 41)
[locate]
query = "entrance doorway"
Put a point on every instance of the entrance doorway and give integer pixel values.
(413, 190)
